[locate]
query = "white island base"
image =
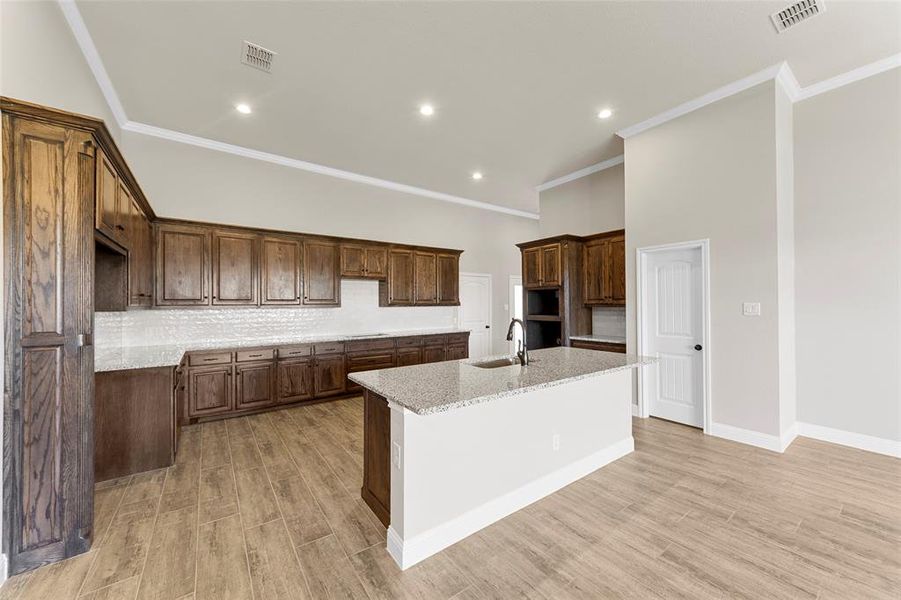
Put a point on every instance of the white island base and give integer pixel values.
(454, 472)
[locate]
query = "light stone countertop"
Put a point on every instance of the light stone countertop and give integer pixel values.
(438, 387)
(119, 358)
(600, 337)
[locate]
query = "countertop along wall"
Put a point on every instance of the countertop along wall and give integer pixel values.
(848, 244)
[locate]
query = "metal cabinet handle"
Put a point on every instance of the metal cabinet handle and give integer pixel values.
(85, 339)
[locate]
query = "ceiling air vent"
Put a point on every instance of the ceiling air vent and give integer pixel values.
(796, 13)
(257, 56)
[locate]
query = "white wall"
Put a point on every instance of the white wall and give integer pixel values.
(713, 174)
(848, 244)
(187, 182)
(590, 204)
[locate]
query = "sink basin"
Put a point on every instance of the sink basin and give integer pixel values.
(507, 361)
(367, 335)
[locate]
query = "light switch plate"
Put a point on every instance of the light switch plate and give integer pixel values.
(395, 454)
(750, 309)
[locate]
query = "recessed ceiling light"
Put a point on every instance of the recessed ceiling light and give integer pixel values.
(427, 110)
(244, 109)
(477, 175)
(605, 113)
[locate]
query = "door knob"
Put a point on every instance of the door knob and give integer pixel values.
(698, 347)
(487, 326)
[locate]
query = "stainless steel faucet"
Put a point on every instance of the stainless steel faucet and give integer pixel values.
(523, 353)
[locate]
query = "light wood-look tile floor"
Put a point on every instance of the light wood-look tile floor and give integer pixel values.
(268, 507)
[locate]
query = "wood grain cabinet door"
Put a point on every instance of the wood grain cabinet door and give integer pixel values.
(106, 212)
(235, 268)
(425, 278)
(448, 279)
(254, 385)
(431, 354)
(550, 264)
(321, 273)
(457, 351)
(183, 261)
(400, 277)
(594, 276)
(280, 272)
(48, 230)
(409, 356)
(531, 267)
(210, 391)
(617, 270)
(353, 260)
(124, 202)
(295, 380)
(140, 258)
(329, 375)
(376, 262)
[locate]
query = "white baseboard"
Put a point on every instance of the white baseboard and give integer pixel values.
(766, 441)
(849, 438)
(4, 569)
(407, 553)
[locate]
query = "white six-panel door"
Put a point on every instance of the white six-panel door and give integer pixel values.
(673, 332)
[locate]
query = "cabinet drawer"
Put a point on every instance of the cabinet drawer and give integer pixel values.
(434, 340)
(369, 345)
(365, 362)
(210, 358)
(602, 346)
(249, 355)
(409, 342)
(295, 351)
(328, 348)
(457, 338)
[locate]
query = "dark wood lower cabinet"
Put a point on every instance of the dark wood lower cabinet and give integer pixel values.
(254, 385)
(368, 362)
(602, 346)
(210, 391)
(409, 356)
(134, 421)
(328, 375)
(295, 380)
(432, 354)
(376, 490)
(457, 351)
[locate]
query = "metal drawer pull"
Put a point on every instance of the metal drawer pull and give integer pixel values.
(254, 355)
(209, 359)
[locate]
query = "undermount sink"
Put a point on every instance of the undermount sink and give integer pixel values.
(507, 361)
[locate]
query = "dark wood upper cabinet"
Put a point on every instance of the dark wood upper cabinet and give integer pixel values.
(364, 261)
(618, 270)
(48, 239)
(531, 267)
(235, 268)
(254, 385)
(183, 265)
(550, 264)
(425, 278)
(400, 277)
(140, 258)
(448, 279)
(329, 375)
(280, 271)
(604, 270)
(108, 214)
(321, 275)
(542, 266)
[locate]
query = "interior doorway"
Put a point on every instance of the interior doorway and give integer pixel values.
(515, 309)
(475, 312)
(673, 326)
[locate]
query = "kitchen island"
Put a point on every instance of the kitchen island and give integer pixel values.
(452, 447)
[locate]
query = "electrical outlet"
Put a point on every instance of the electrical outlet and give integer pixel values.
(750, 309)
(395, 454)
(555, 441)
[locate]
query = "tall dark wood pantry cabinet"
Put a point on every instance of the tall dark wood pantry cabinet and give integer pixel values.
(48, 226)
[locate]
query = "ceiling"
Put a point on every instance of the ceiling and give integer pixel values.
(516, 86)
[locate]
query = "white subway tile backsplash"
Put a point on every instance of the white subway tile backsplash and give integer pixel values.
(359, 313)
(608, 320)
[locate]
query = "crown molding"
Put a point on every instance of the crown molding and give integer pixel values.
(827, 85)
(200, 142)
(92, 56)
(595, 168)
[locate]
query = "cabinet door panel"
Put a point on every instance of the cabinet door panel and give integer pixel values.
(295, 380)
(124, 201)
(329, 375)
(617, 270)
(550, 264)
(425, 278)
(210, 391)
(321, 273)
(183, 258)
(107, 210)
(140, 258)
(353, 260)
(448, 279)
(235, 270)
(400, 277)
(531, 267)
(254, 385)
(409, 356)
(457, 352)
(280, 276)
(593, 269)
(376, 262)
(432, 354)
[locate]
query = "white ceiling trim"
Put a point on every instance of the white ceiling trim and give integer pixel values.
(193, 140)
(92, 56)
(827, 85)
(605, 164)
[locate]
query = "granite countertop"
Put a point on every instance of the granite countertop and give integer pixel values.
(118, 358)
(600, 337)
(438, 387)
